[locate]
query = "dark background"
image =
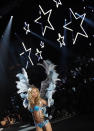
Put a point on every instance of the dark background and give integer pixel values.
(67, 59)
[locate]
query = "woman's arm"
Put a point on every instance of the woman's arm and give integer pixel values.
(44, 102)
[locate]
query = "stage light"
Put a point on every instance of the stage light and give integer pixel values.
(84, 7)
(65, 30)
(11, 17)
(65, 19)
(51, 43)
(90, 22)
(4, 49)
(90, 7)
(64, 51)
(90, 44)
(73, 88)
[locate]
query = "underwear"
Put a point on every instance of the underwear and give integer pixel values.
(42, 124)
(46, 120)
(36, 108)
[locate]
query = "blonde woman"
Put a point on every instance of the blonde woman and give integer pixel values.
(32, 98)
(35, 106)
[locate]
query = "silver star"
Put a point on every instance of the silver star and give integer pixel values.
(78, 33)
(58, 2)
(29, 50)
(26, 28)
(38, 54)
(42, 44)
(48, 20)
(61, 40)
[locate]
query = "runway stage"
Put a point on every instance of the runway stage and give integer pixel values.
(77, 123)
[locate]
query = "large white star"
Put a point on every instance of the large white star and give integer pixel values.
(45, 14)
(38, 54)
(78, 33)
(29, 50)
(58, 2)
(61, 40)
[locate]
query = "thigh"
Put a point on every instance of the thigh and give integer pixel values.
(48, 127)
(39, 129)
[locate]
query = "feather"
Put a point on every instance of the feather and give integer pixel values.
(23, 86)
(23, 83)
(48, 86)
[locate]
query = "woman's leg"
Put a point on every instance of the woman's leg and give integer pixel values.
(48, 127)
(39, 129)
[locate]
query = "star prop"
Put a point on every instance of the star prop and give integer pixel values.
(72, 23)
(44, 20)
(61, 40)
(58, 2)
(26, 28)
(29, 50)
(42, 44)
(38, 54)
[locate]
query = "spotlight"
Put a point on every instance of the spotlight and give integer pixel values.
(90, 22)
(73, 88)
(4, 46)
(90, 44)
(11, 17)
(65, 19)
(84, 7)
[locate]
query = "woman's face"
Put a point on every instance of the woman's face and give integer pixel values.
(34, 93)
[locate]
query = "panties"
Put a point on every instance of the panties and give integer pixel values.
(42, 124)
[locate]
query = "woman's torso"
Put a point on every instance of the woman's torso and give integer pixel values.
(37, 112)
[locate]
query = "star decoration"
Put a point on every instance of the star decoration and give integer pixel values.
(76, 19)
(38, 54)
(61, 40)
(29, 50)
(58, 2)
(44, 20)
(26, 28)
(42, 44)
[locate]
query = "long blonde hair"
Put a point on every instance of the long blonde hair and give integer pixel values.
(35, 101)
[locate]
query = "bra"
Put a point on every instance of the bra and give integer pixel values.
(36, 108)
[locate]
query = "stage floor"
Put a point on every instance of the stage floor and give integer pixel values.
(77, 123)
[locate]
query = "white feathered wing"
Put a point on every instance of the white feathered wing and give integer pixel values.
(23, 86)
(48, 86)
